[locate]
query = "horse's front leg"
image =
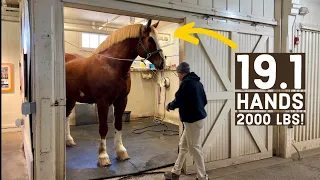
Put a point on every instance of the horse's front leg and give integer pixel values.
(119, 108)
(103, 158)
(69, 140)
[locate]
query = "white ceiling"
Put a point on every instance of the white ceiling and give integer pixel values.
(99, 17)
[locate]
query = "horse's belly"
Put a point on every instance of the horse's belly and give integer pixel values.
(88, 101)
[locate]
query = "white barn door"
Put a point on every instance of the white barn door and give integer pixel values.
(308, 136)
(224, 143)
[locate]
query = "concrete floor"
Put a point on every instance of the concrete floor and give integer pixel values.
(12, 159)
(13, 166)
(308, 168)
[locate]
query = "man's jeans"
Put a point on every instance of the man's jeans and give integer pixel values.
(190, 142)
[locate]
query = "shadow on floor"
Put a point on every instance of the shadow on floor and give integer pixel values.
(13, 165)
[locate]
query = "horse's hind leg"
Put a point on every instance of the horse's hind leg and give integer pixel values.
(103, 107)
(69, 140)
(119, 108)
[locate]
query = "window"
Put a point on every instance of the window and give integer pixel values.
(92, 40)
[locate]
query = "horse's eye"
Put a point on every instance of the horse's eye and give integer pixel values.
(150, 39)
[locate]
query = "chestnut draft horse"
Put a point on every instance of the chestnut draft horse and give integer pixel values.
(104, 79)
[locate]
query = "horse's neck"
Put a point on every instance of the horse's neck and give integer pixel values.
(122, 54)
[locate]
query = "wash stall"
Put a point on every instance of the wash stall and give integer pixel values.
(150, 133)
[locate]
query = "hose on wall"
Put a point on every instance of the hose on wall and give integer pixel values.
(159, 122)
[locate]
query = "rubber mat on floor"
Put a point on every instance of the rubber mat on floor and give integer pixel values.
(147, 151)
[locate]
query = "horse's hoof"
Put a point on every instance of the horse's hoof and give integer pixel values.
(103, 162)
(70, 143)
(122, 155)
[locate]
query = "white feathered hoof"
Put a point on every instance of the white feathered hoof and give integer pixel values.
(122, 155)
(70, 143)
(104, 161)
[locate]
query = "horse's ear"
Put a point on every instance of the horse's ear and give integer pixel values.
(156, 24)
(148, 29)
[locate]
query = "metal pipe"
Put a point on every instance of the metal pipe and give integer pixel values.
(79, 29)
(85, 26)
(113, 19)
(88, 28)
(83, 23)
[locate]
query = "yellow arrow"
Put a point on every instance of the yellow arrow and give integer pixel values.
(185, 31)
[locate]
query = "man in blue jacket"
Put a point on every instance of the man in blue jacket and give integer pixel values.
(191, 100)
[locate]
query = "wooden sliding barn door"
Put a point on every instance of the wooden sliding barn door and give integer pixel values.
(224, 143)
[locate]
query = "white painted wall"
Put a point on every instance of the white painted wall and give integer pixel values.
(10, 48)
(314, 8)
(141, 101)
(170, 49)
(166, 96)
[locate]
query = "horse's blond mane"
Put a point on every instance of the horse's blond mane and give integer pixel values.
(129, 31)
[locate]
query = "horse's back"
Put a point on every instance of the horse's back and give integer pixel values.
(70, 57)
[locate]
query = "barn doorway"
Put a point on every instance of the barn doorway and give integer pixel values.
(150, 134)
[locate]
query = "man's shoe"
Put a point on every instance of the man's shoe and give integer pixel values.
(171, 176)
(203, 178)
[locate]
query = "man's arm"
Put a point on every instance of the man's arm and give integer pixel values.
(179, 97)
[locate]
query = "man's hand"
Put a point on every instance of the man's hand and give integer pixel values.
(168, 108)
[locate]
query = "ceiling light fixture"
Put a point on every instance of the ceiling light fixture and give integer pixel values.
(303, 11)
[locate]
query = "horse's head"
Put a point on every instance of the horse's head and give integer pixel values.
(149, 47)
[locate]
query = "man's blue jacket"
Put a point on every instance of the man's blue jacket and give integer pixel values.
(190, 99)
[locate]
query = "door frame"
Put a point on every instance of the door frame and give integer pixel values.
(48, 87)
(48, 76)
(24, 69)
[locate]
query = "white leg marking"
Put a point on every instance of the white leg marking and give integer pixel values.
(120, 149)
(103, 149)
(68, 135)
(103, 158)
(69, 139)
(118, 142)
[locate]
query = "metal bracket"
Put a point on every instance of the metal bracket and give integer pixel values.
(19, 122)
(61, 102)
(28, 108)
